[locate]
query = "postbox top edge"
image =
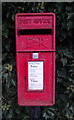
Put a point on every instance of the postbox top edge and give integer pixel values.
(35, 14)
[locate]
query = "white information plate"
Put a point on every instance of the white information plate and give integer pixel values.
(35, 75)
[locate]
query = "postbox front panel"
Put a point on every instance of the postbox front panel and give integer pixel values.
(35, 58)
(29, 92)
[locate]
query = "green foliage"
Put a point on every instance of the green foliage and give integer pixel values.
(64, 107)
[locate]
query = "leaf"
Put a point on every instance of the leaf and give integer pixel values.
(68, 54)
(61, 73)
(64, 61)
(13, 82)
(10, 114)
(46, 116)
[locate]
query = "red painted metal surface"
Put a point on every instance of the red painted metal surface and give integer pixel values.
(35, 33)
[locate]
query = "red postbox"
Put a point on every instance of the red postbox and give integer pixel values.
(35, 58)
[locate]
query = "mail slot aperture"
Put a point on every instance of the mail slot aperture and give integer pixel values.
(34, 31)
